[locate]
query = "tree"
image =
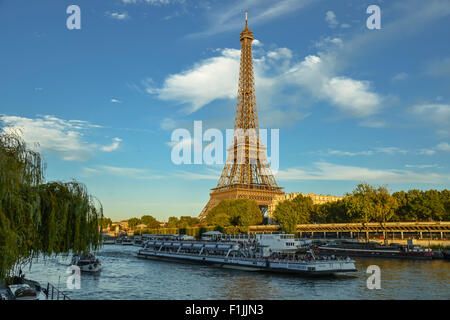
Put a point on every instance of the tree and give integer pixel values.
(150, 221)
(385, 205)
(239, 212)
(105, 223)
(303, 206)
(37, 218)
(173, 222)
(360, 204)
(133, 222)
(286, 216)
(246, 213)
(330, 212)
(186, 221)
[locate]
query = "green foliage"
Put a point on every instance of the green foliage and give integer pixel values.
(173, 222)
(289, 213)
(187, 221)
(367, 204)
(150, 221)
(133, 222)
(416, 205)
(241, 212)
(370, 204)
(37, 218)
(105, 223)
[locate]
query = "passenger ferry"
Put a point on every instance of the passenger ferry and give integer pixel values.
(243, 257)
(277, 242)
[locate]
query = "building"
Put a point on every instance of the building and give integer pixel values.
(316, 198)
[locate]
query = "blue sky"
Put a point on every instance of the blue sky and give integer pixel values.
(351, 104)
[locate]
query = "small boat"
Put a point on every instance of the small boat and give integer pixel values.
(21, 288)
(23, 292)
(87, 263)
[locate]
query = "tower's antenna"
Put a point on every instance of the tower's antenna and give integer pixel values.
(245, 19)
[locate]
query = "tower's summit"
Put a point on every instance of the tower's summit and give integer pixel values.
(246, 33)
(246, 174)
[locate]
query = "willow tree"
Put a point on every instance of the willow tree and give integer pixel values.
(40, 218)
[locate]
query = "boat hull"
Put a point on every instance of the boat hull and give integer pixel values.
(367, 253)
(255, 265)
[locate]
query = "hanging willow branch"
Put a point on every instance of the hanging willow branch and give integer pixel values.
(37, 218)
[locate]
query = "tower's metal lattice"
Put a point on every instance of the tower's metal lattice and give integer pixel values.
(246, 173)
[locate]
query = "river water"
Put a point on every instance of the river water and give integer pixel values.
(124, 276)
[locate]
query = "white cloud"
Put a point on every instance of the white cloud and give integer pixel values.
(211, 79)
(117, 15)
(436, 113)
(168, 124)
(114, 146)
(132, 173)
(439, 68)
(326, 42)
(421, 166)
(115, 101)
(426, 152)
(352, 96)
(230, 16)
(444, 146)
(54, 136)
(210, 174)
(274, 71)
(400, 76)
(257, 43)
(385, 150)
(351, 154)
(330, 18)
(329, 171)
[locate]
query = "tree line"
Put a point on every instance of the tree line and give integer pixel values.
(366, 204)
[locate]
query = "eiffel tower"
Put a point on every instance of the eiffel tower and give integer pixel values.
(246, 174)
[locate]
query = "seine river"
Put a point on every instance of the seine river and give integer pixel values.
(124, 276)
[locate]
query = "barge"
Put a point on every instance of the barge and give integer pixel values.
(242, 257)
(374, 249)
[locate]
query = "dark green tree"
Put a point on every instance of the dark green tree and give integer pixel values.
(133, 222)
(150, 221)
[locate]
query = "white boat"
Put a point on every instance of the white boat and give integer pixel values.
(242, 257)
(87, 263)
(25, 292)
(276, 242)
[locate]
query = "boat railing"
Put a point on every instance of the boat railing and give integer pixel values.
(262, 259)
(53, 293)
